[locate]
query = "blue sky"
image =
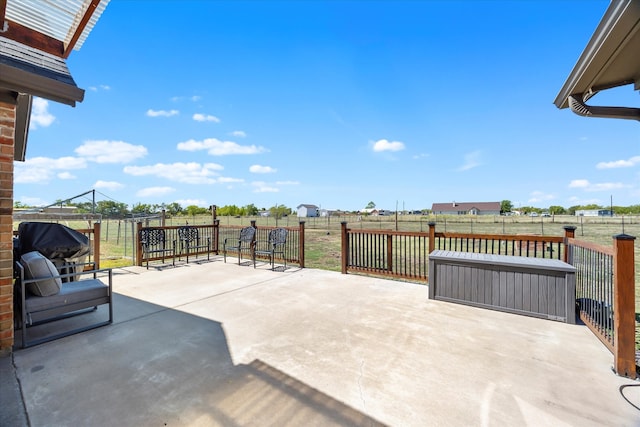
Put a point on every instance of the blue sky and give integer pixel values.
(332, 103)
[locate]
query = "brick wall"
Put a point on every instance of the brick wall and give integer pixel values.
(7, 134)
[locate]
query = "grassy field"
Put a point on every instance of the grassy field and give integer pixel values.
(322, 235)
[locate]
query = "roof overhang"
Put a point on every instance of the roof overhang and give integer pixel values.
(36, 37)
(611, 59)
(24, 69)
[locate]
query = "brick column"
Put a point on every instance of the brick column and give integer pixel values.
(7, 135)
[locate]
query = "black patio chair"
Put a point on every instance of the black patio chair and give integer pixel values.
(154, 243)
(244, 242)
(190, 240)
(275, 244)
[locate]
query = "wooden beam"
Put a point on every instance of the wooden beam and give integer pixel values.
(77, 32)
(3, 11)
(30, 37)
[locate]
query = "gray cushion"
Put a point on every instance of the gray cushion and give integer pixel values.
(71, 293)
(36, 266)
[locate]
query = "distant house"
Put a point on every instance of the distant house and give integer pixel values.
(307, 211)
(466, 208)
(328, 212)
(594, 212)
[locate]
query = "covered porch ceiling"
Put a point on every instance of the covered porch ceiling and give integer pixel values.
(36, 38)
(610, 59)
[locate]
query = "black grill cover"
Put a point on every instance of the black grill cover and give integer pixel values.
(54, 241)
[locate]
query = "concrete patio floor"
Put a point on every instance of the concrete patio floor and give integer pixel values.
(217, 344)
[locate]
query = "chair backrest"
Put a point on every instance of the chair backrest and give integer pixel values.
(188, 234)
(152, 236)
(247, 234)
(278, 236)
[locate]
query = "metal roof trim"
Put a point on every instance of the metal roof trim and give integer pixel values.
(620, 23)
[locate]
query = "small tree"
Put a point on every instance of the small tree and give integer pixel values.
(278, 211)
(506, 206)
(370, 205)
(141, 208)
(557, 210)
(193, 210)
(174, 209)
(251, 210)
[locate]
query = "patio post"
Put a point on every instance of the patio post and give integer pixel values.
(216, 234)
(390, 252)
(569, 233)
(301, 245)
(345, 246)
(96, 244)
(624, 306)
(136, 239)
(432, 236)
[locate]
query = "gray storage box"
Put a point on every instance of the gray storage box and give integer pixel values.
(536, 287)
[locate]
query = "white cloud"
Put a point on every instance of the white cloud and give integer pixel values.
(226, 179)
(384, 145)
(99, 87)
(108, 185)
(162, 113)
(66, 175)
(578, 201)
(43, 169)
(263, 187)
(155, 191)
(40, 116)
(619, 163)
(261, 169)
(238, 134)
(110, 151)
(539, 196)
(215, 147)
(205, 118)
(194, 98)
(420, 156)
(188, 173)
(579, 183)
(471, 160)
(34, 201)
(588, 186)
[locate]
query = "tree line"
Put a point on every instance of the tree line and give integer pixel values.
(507, 206)
(113, 209)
